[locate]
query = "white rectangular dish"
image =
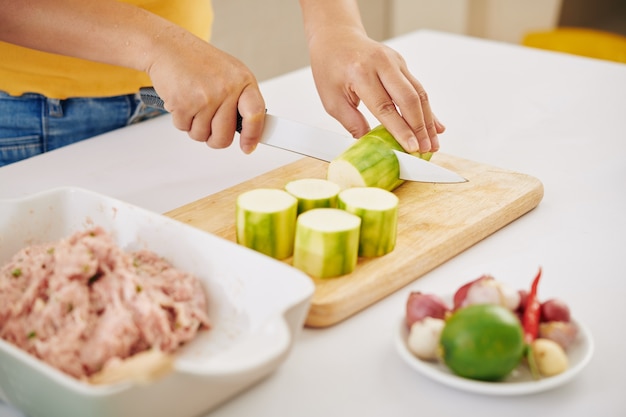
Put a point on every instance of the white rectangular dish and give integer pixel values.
(257, 307)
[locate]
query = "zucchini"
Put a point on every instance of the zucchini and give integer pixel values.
(383, 134)
(313, 193)
(326, 242)
(378, 210)
(265, 221)
(370, 162)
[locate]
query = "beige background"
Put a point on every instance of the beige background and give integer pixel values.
(268, 35)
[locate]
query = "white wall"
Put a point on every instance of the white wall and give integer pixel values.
(268, 34)
(502, 20)
(509, 20)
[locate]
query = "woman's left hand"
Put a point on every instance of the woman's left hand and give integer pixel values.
(349, 67)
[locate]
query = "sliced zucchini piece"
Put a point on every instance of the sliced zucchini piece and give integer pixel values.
(327, 242)
(378, 210)
(266, 220)
(313, 193)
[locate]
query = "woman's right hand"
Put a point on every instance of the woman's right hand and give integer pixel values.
(200, 85)
(204, 87)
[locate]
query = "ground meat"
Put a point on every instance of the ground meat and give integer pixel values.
(81, 302)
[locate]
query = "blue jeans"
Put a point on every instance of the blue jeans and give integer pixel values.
(32, 124)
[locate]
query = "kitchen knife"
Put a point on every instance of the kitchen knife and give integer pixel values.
(325, 145)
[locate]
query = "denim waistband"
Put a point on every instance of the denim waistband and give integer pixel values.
(55, 105)
(31, 124)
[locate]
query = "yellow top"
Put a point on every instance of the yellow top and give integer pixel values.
(24, 70)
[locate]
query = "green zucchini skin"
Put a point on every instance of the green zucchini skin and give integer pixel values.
(374, 164)
(306, 205)
(379, 225)
(313, 193)
(370, 162)
(324, 253)
(269, 232)
(383, 134)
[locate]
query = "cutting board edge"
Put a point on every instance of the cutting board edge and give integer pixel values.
(318, 316)
(195, 213)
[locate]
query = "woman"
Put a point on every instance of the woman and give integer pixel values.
(71, 69)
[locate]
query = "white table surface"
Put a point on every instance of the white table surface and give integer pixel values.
(557, 117)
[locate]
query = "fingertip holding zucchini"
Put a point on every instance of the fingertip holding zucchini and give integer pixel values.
(378, 210)
(313, 193)
(326, 242)
(370, 162)
(265, 221)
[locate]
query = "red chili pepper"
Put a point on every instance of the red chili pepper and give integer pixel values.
(532, 312)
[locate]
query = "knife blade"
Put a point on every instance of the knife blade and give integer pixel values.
(325, 145)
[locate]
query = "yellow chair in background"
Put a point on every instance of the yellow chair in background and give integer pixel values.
(579, 41)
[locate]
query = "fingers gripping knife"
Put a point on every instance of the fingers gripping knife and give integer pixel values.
(324, 145)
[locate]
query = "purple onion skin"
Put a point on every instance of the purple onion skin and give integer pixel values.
(555, 310)
(420, 306)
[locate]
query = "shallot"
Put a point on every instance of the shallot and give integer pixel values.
(563, 333)
(420, 306)
(487, 290)
(424, 338)
(549, 357)
(461, 294)
(555, 310)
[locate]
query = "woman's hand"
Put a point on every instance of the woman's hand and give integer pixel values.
(200, 85)
(349, 67)
(203, 88)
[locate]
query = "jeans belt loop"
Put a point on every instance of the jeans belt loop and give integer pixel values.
(55, 109)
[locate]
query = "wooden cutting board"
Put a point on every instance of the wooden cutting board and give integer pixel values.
(436, 222)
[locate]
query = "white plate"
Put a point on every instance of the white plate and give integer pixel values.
(519, 382)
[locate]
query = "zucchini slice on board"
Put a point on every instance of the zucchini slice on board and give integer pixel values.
(327, 242)
(313, 193)
(266, 221)
(378, 210)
